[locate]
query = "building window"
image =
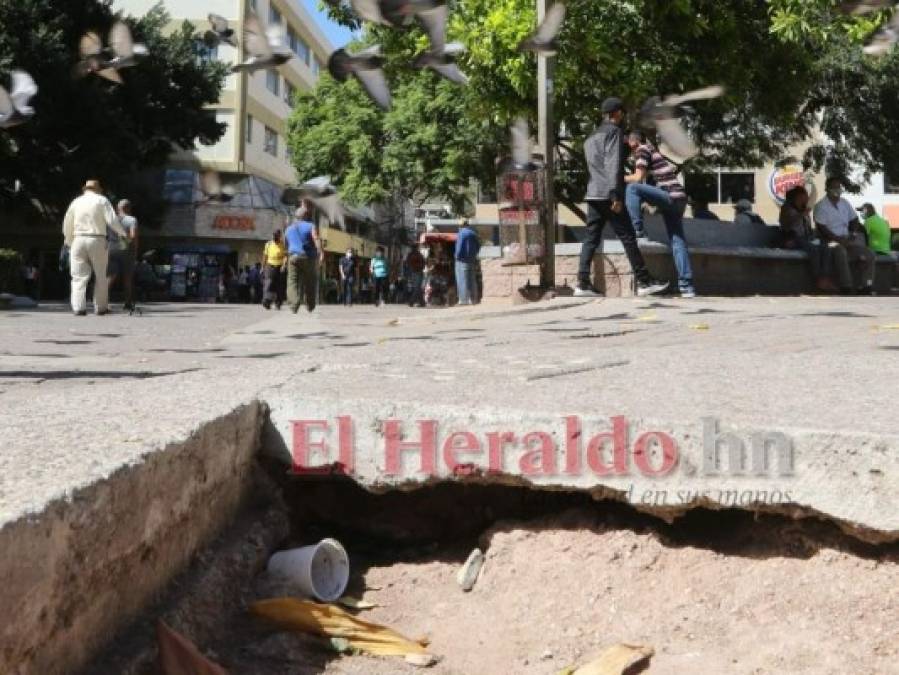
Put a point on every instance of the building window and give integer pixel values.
(179, 186)
(289, 92)
(721, 187)
(249, 128)
(274, 16)
(271, 142)
(204, 53)
(273, 82)
(890, 186)
(316, 65)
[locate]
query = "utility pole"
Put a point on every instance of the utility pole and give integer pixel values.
(546, 66)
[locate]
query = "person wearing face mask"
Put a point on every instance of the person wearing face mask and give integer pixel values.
(838, 224)
(275, 255)
(347, 277)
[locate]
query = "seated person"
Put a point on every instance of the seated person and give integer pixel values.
(744, 215)
(878, 229)
(839, 226)
(798, 234)
(700, 210)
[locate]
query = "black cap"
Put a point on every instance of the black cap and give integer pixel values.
(611, 105)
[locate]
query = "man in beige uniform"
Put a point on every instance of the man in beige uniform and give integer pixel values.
(84, 230)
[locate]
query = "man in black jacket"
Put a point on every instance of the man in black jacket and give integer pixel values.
(606, 152)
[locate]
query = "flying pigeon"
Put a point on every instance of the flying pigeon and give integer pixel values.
(885, 38)
(663, 115)
(522, 158)
(858, 7)
(267, 49)
(14, 105)
(220, 32)
(543, 41)
(122, 52)
(212, 188)
(365, 66)
(323, 194)
(441, 57)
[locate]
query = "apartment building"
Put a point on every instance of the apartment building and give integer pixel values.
(252, 157)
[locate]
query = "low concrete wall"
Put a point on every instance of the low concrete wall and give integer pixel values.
(731, 270)
(81, 570)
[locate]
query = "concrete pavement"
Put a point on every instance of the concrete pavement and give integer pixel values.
(120, 435)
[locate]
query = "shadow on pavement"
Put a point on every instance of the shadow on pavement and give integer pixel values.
(90, 374)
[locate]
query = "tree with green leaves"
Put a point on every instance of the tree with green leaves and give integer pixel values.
(90, 127)
(792, 70)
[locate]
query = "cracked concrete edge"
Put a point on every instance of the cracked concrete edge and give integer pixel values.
(843, 477)
(86, 565)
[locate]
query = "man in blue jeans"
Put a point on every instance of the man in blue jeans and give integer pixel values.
(668, 195)
(467, 248)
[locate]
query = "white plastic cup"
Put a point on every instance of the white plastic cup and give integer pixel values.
(321, 571)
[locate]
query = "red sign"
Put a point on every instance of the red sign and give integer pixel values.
(244, 223)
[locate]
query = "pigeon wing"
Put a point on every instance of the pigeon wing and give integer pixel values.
(333, 210)
(451, 72)
(434, 21)
(552, 23)
(697, 95)
(211, 183)
(6, 107)
(521, 144)
(120, 40)
(255, 41)
(90, 45)
(277, 38)
(675, 137)
(375, 84)
(219, 23)
(23, 89)
(368, 10)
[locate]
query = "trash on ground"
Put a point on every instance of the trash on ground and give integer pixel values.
(615, 660)
(321, 571)
(421, 660)
(468, 574)
(179, 656)
(700, 326)
(355, 603)
(329, 621)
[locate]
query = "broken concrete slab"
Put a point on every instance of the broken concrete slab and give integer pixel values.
(101, 418)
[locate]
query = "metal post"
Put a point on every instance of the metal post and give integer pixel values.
(546, 141)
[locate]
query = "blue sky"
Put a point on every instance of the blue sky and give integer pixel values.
(337, 34)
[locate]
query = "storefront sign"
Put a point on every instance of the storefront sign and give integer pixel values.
(785, 178)
(243, 223)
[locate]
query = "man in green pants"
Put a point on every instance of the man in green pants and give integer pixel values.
(304, 251)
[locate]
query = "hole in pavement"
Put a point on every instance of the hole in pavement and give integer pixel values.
(557, 562)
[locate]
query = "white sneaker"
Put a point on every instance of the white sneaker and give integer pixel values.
(652, 288)
(688, 295)
(586, 290)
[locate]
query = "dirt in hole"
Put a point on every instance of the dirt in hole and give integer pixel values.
(565, 577)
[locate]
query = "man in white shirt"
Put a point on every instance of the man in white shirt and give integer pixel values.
(84, 229)
(839, 226)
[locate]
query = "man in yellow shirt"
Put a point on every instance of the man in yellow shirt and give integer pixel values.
(274, 259)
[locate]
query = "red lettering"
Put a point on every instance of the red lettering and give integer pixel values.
(302, 446)
(573, 435)
(496, 443)
(346, 445)
(546, 453)
(460, 441)
(643, 460)
(618, 438)
(427, 446)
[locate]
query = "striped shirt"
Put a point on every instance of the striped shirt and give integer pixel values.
(663, 172)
